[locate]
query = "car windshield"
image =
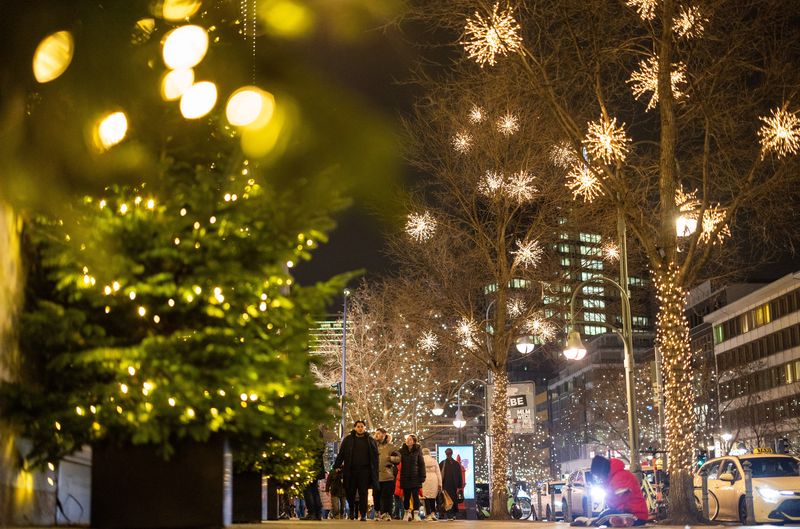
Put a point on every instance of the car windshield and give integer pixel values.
(556, 489)
(774, 467)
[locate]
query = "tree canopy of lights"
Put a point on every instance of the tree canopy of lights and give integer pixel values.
(159, 299)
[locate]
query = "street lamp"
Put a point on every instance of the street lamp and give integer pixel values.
(438, 409)
(459, 421)
(346, 294)
(525, 345)
(574, 350)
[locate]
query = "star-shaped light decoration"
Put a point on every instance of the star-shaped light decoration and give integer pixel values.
(712, 217)
(610, 251)
(495, 34)
(466, 331)
(520, 187)
(690, 22)
(645, 8)
(476, 115)
(563, 155)
(645, 80)
(492, 183)
(583, 182)
(421, 227)
(428, 342)
(686, 201)
(780, 133)
(606, 141)
(528, 253)
(539, 326)
(508, 124)
(515, 307)
(462, 142)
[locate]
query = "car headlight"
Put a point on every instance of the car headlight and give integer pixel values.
(768, 494)
(598, 494)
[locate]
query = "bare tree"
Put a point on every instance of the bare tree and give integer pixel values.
(671, 112)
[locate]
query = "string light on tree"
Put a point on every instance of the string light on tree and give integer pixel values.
(428, 342)
(583, 182)
(563, 155)
(491, 184)
(780, 133)
(467, 330)
(712, 218)
(420, 227)
(690, 22)
(462, 142)
(476, 115)
(508, 124)
(516, 307)
(537, 325)
(606, 141)
(520, 187)
(645, 80)
(528, 253)
(610, 251)
(645, 8)
(492, 35)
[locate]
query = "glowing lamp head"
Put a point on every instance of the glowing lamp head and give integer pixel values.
(177, 10)
(727, 437)
(175, 83)
(53, 56)
(198, 100)
(438, 409)
(110, 130)
(685, 226)
(459, 421)
(525, 345)
(574, 349)
(185, 47)
(250, 107)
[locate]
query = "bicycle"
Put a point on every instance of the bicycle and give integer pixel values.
(519, 504)
(713, 504)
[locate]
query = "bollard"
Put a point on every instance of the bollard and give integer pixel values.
(568, 511)
(748, 493)
(704, 475)
(539, 503)
(553, 506)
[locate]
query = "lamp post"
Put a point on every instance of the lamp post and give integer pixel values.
(346, 294)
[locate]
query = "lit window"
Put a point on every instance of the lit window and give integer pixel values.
(593, 289)
(640, 321)
(719, 334)
(592, 264)
(594, 316)
(594, 303)
(564, 248)
(590, 237)
(593, 330)
(585, 276)
(565, 261)
(591, 250)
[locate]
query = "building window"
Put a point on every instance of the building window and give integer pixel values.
(594, 303)
(641, 321)
(594, 316)
(590, 250)
(566, 261)
(592, 330)
(592, 264)
(564, 248)
(719, 334)
(586, 276)
(590, 237)
(636, 281)
(593, 289)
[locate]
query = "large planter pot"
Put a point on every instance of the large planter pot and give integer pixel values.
(249, 495)
(134, 487)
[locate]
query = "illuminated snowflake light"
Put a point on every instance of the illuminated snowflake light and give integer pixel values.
(520, 187)
(584, 183)
(495, 34)
(607, 141)
(610, 251)
(563, 155)
(508, 124)
(476, 115)
(491, 183)
(428, 342)
(462, 142)
(466, 331)
(712, 217)
(515, 307)
(686, 202)
(528, 253)
(780, 133)
(420, 227)
(645, 8)
(645, 80)
(538, 326)
(690, 22)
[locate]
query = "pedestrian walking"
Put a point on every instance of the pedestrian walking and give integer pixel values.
(335, 487)
(432, 485)
(452, 482)
(358, 459)
(412, 475)
(384, 501)
(325, 497)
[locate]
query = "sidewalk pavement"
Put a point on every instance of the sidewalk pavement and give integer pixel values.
(458, 524)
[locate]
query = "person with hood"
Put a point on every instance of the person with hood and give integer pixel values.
(358, 459)
(452, 481)
(412, 475)
(432, 485)
(383, 495)
(623, 491)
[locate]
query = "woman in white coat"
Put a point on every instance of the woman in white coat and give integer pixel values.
(432, 485)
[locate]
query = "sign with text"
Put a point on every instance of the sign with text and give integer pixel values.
(521, 416)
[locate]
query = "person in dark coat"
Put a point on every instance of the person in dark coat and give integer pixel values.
(452, 480)
(412, 475)
(358, 459)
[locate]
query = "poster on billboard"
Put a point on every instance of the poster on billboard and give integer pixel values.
(464, 454)
(521, 407)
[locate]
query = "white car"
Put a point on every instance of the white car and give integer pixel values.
(552, 494)
(588, 499)
(776, 488)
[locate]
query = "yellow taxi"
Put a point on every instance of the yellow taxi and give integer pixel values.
(776, 488)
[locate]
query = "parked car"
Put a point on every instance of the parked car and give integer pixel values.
(587, 498)
(551, 492)
(776, 488)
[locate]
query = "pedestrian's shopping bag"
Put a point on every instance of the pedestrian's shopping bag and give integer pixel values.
(448, 501)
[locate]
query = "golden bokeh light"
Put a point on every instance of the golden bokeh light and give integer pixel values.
(185, 47)
(110, 130)
(250, 107)
(287, 18)
(177, 10)
(175, 83)
(53, 56)
(198, 100)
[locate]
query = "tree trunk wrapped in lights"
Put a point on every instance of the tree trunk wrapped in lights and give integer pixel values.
(500, 438)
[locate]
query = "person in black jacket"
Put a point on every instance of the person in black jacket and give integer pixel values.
(452, 480)
(358, 459)
(412, 474)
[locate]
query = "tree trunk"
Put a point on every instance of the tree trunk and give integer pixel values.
(672, 331)
(10, 302)
(499, 433)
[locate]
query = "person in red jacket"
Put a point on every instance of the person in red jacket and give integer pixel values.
(623, 491)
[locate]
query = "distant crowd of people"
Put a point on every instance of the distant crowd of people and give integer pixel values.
(373, 479)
